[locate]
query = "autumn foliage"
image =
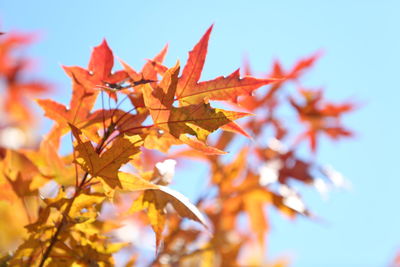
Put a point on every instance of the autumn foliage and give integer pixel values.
(128, 130)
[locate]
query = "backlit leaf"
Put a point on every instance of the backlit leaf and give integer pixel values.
(191, 91)
(106, 165)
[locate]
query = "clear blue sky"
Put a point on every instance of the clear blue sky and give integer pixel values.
(361, 43)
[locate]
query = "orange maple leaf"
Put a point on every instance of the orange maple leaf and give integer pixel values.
(196, 119)
(99, 70)
(191, 91)
(320, 117)
(84, 91)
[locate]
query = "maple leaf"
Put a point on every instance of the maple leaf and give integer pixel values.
(84, 92)
(282, 77)
(191, 91)
(99, 70)
(320, 117)
(155, 202)
(197, 119)
(106, 165)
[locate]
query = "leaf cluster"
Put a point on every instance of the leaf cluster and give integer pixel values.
(119, 156)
